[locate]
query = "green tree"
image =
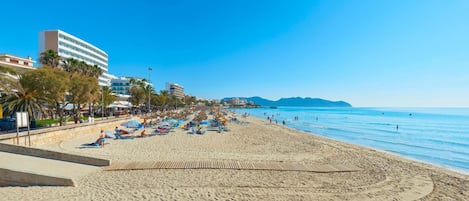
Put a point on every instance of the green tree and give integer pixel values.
(95, 71)
(50, 58)
(162, 98)
(23, 96)
(189, 100)
(148, 91)
(52, 84)
(85, 87)
(140, 91)
(107, 96)
(71, 65)
(82, 90)
(137, 95)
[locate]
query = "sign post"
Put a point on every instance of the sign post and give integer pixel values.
(21, 121)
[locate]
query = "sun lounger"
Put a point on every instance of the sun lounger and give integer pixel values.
(161, 131)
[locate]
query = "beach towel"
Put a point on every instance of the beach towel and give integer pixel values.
(91, 145)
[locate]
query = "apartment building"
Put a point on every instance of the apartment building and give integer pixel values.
(175, 89)
(69, 46)
(17, 63)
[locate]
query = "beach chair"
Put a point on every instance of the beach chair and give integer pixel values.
(161, 131)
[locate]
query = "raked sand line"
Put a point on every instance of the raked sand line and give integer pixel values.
(237, 165)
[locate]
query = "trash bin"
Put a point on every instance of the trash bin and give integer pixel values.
(32, 123)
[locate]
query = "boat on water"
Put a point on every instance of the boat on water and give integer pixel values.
(273, 107)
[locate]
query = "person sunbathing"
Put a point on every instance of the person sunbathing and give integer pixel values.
(200, 131)
(161, 130)
(121, 131)
(142, 134)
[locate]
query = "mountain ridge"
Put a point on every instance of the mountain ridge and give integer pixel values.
(295, 101)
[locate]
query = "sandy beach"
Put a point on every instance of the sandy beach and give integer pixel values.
(382, 176)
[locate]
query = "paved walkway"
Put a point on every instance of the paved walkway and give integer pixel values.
(229, 165)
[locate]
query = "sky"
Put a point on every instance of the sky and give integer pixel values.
(386, 53)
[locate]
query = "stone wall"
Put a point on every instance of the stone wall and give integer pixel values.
(60, 133)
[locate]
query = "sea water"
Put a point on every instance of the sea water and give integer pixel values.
(439, 136)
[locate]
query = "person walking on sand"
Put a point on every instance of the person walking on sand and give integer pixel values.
(283, 123)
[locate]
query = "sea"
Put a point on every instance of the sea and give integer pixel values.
(439, 136)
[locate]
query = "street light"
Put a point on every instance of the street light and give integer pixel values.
(102, 103)
(149, 73)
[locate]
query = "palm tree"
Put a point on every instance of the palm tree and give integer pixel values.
(137, 95)
(25, 97)
(163, 98)
(107, 96)
(50, 58)
(140, 91)
(8, 77)
(95, 71)
(148, 89)
(71, 65)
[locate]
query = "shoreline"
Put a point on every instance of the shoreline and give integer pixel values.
(421, 162)
(383, 176)
(431, 144)
(453, 169)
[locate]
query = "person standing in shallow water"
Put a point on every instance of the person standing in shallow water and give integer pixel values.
(283, 123)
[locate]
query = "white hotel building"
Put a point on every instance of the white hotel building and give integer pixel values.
(69, 46)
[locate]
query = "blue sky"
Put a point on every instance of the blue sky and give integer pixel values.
(388, 53)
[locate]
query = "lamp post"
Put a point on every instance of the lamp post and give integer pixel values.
(102, 103)
(149, 74)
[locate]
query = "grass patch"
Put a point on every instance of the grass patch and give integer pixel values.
(45, 122)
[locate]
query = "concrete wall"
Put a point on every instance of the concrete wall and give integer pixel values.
(60, 133)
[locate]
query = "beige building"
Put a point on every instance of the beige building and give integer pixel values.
(175, 89)
(17, 63)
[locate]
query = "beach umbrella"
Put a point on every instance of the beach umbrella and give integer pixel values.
(109, 134)
(181, 122)
(163, 123)
(132, 124)
(172, 121)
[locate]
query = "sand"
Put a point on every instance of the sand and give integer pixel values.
(383, 176)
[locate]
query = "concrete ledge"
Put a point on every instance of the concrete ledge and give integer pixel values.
(17, 178)
(29, 151)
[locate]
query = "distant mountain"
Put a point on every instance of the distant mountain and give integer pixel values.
(297, 101)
